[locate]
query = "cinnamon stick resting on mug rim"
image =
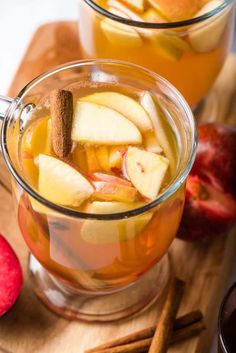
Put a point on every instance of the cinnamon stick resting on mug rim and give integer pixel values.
(61, 107)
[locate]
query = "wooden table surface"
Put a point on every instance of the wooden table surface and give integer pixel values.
(29, 327)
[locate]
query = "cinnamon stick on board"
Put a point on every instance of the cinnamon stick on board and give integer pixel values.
(165, 325)
(61, 107)
(186, 321)
(143, 345)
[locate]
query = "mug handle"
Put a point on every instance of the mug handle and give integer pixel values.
(5, 103)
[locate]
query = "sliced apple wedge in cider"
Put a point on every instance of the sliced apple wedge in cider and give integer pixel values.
(62, 184)
(153, 16)
(120, 34)
(91, 159)
(97, 124)
(102, 153)
(116, 158)
(146, 170)
(205, 38)
(107, 232)
(103, 207)
(150, 107)
(108, 191)
(136, 5)
(152, 144)
(177, 10)
(125, 105)
(122, 8)
(170, 46)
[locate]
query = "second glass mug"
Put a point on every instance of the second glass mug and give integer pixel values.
(189, 53)
(105, 280)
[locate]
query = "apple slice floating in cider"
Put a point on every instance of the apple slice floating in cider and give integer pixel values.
(204, 38)
(177, 10)
(136, 5)
(121, 34)
(153, 16)
(97, 124)
(146, 171)
(152, 144)
(91, 159)
(62, 184)
(108, 232)
(169, 45)
(150, 107)
(124, 105)
(109, 191)
(126, 11)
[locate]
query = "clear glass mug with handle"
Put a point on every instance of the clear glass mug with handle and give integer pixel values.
(100, 274)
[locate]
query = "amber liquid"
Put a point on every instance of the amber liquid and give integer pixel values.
(57, 240)
(192, 72)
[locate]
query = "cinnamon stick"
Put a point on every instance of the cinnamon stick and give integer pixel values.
(61, 107)
(163, 333)
(180, 323)
(142, 346)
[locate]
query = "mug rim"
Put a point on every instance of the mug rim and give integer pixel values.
(154, 25)
(174, 184)
(220, 319)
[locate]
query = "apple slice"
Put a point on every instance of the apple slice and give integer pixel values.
(36, 140)
(116, 158)
(108, 232)
(92, 161)
(146, 170)
(151, 143)
(119, 34)
(109, 179)
(97, 124)
(62, 184)
(106, 207)
(153, 16)
(136, 5)
(124, 105)
(127, 13)
(169, 45)
(102, 153)
(176, 10)
(79, 158)
(157, 120)
(205, 38)
(121, 10)
(114, 192)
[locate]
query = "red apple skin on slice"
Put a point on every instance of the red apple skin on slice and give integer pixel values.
(216, 156)
(208, 212)
(106, 191)
(110, 179)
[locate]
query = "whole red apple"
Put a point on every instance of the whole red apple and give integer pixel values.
(10, 276)
(216, 156)
(208, 212)
(210, 205)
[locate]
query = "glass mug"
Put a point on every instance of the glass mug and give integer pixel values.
(186, 53)
(109, 279)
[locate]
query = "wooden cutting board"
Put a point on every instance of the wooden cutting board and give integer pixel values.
(30, 327)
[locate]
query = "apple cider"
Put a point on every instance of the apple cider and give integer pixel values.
(101, 151)
(189, 54)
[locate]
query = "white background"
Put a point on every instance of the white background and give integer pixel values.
(18, 21)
